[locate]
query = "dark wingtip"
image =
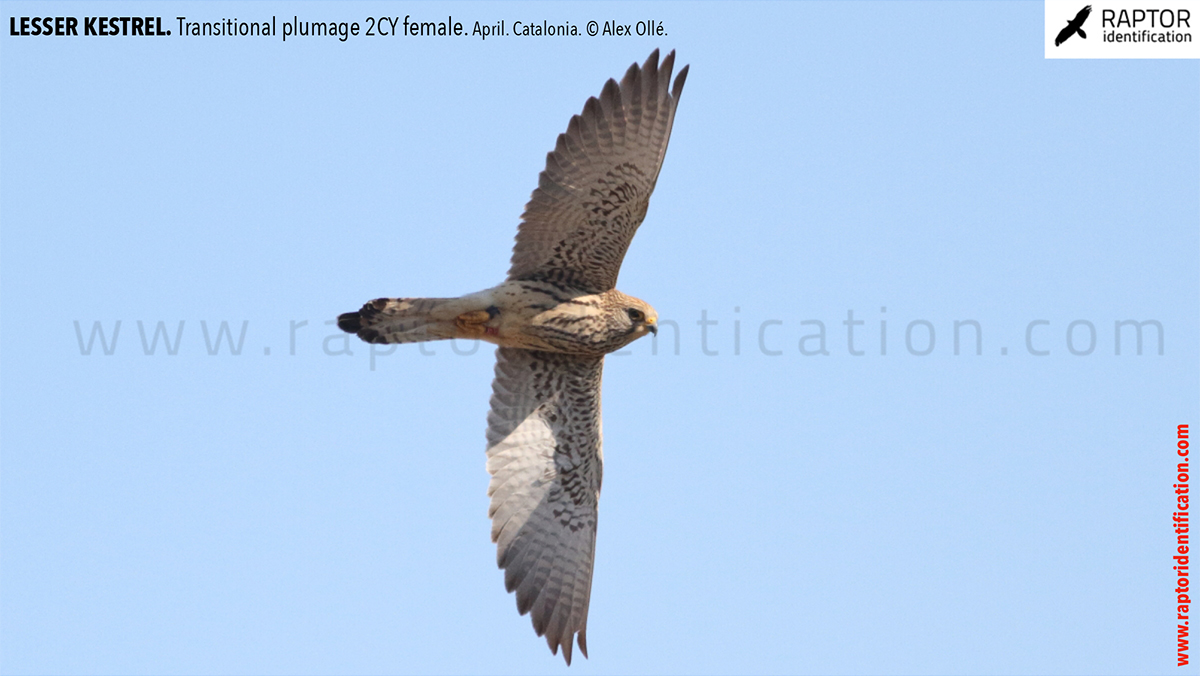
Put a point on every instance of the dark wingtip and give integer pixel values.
(677, 89)
(351, 322)
(651, 61)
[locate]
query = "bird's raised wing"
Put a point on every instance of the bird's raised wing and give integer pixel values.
(545, 460)
(593, 194)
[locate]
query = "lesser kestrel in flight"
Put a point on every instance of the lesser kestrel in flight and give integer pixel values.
(555, 318)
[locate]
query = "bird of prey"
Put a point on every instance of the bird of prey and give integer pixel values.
(554, 319)
(1074, 26)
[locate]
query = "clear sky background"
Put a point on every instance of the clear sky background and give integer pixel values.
(762, 513)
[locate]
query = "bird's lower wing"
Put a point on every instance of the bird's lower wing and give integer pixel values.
(546, 464)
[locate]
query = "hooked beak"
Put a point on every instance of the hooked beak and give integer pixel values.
(652, 327)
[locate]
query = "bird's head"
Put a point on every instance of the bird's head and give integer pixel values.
(642, 318)
(628, 319)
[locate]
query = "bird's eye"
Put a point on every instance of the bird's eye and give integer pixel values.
(636, 315)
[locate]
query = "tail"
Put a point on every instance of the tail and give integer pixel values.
(402, 320)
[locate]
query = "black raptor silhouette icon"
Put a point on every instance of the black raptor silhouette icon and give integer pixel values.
(1074, 26)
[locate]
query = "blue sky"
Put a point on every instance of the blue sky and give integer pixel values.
(308, 510)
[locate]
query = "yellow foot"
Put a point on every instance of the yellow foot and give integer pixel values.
(477, 317)
(472, 324)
